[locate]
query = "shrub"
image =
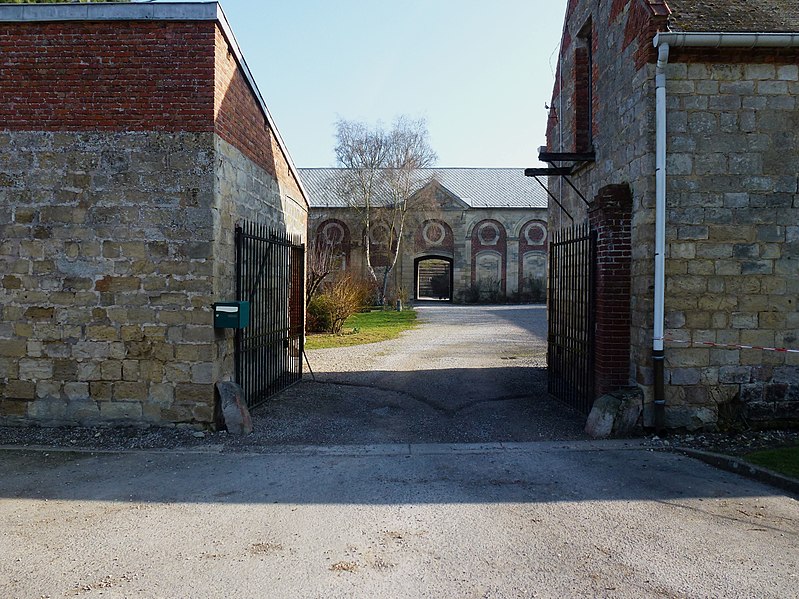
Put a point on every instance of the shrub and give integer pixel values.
(533, 290)
(339, 300)
(318, 314)
(484, 291)
(396, 294)
(470, 295)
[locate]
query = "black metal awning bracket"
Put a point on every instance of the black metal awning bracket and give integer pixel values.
(577, 191)
(551, 158)
(549, 193)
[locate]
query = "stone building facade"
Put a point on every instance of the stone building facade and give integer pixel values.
(730, 122)
(483, 229)
(132, 140)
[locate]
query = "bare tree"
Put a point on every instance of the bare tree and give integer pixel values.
(322, 259)
(383, 181)
(362, 152)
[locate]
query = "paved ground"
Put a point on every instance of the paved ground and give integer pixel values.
(566, 519)
(468, 374)
(303, 509)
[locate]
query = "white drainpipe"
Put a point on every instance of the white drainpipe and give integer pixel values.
(660, 234)
(663, 41)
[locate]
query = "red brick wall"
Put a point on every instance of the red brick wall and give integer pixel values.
(238, 116)
(645, 19)
(610, 218)
(133, 76)
(107, 76)
(241, 123)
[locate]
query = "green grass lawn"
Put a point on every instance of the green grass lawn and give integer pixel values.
(784, 460)
(365, 327)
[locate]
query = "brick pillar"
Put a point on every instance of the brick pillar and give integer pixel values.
(610, 216)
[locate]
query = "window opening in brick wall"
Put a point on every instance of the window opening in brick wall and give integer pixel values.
(583, 90)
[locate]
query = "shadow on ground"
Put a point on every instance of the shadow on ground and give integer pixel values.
(378, 475)
(416, 407)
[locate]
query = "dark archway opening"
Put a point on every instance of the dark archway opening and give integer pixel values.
(433, 278)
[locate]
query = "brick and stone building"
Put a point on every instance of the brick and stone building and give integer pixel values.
(482, 232)
(132, 140)
(693, 109)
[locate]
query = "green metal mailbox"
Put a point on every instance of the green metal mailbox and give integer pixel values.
(231, 315)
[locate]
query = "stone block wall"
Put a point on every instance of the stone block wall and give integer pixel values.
(122, 175)
(732, 239)
(733, 158)
(109, 278)
(254, 181)
(623, 136)
(245, 191)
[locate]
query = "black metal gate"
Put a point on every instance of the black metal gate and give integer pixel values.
(570, 351)
(270, 274)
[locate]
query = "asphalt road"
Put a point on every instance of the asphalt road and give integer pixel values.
(361, 485)
(566, 519)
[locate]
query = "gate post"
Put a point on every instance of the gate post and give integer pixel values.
(610, 218)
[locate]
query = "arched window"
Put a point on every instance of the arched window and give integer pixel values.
(533, 260)
(434, 235)
(489, 256)
(333, 236)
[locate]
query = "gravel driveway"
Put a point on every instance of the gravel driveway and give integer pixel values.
(466, 374)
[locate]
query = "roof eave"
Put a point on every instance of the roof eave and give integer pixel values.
(706, 39)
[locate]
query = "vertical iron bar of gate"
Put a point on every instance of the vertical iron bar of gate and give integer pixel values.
(268, 329)
(571, 316)
(248, 353)
(580, 333)
(271, 302)
(551, 349)
(270, 274)
(591, 303)
(237, 334)
(277, 315)
(285, 343)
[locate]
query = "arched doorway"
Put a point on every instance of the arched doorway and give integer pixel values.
(433, 278)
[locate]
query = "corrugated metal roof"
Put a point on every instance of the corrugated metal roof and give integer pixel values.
(734, 16)
(476, 187)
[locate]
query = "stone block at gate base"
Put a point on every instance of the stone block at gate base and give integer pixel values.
(616, 414)
(232, 413)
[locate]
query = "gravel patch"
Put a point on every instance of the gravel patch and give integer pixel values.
(110, 439)
(266, 435)
(734, 444)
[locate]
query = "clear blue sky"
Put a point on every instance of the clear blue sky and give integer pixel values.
(479, 72)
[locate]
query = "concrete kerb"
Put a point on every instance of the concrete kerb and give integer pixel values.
(404, 450)
(743, 468)
(383, 450)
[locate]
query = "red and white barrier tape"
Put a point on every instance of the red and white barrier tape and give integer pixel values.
(731, 345)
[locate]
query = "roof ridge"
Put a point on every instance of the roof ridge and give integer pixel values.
(428, 168)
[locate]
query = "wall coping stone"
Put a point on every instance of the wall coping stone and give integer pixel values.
(151, 11)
